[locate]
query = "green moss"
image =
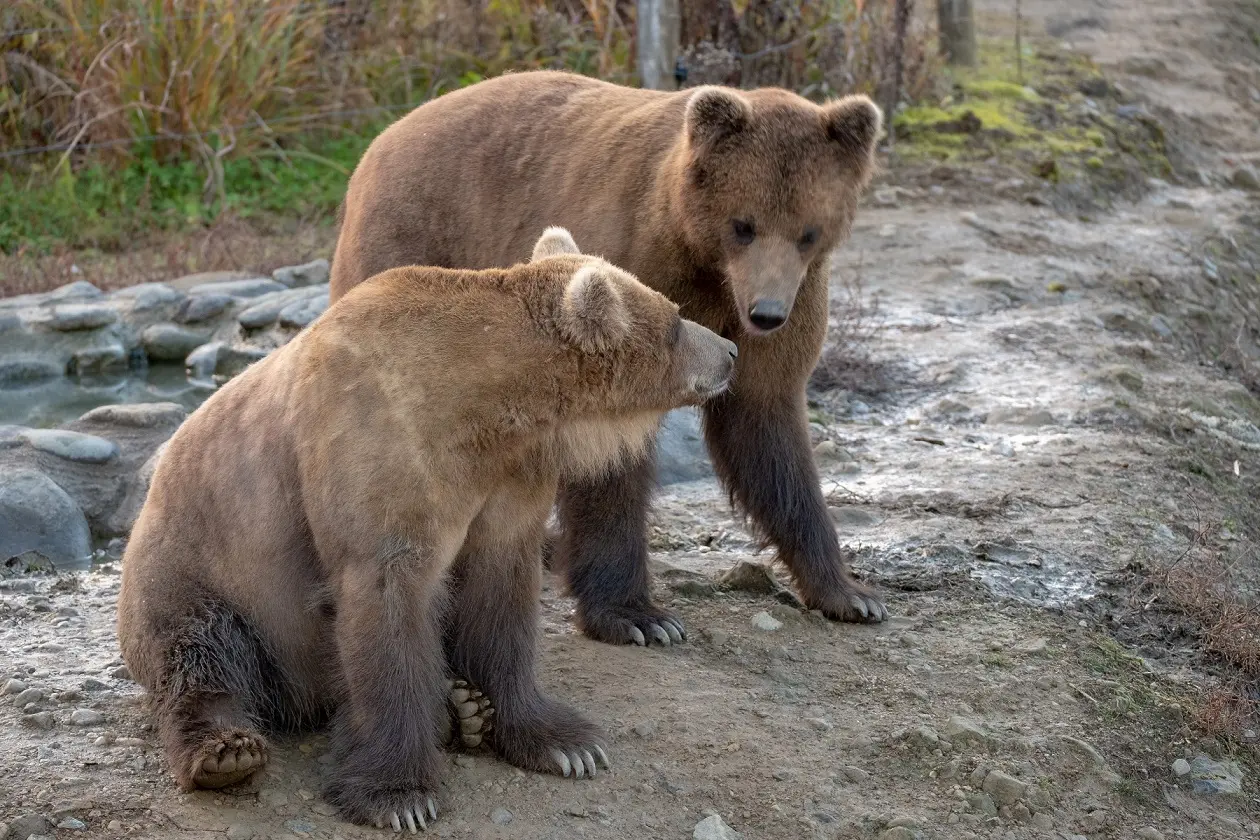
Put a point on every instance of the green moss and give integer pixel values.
(1033, 118)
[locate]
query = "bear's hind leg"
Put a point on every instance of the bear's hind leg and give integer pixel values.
(211, 700)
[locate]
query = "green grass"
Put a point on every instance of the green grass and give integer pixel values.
(111, 208)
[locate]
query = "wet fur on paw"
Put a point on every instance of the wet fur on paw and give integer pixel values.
(227, 758)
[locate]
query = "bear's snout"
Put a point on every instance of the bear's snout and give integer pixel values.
(768, 314)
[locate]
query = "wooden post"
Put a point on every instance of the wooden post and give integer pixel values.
(958, 31)
(658, 25)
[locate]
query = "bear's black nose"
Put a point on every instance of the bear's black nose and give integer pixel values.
(767, 314)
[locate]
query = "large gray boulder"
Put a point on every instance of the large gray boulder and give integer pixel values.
(36, 515)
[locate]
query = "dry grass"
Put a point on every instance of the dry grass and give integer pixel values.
(229, 244)
(846, 362)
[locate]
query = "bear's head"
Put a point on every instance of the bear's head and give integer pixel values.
(771, 186)
(640, 353)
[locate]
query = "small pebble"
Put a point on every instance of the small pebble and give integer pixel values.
(72, 824)
(500, 816)
(13, 686)
(105, 739)
(130, 742)
(765, 622)
(1149, 833)
(115, 825)
(464, 760)
(818, 724)
(1181, 767)
(236, 831)
(34, 695)
(122, 672)
(86, 717)
(646, 729)
(38, 720)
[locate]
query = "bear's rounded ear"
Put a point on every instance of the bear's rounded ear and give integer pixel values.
(713, 113)
(854, 123)
(553, 242)
(592, 314)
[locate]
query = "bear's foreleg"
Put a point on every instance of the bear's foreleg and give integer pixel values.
(761, 452)
(602, 551)
(494, 641)
(387, 731)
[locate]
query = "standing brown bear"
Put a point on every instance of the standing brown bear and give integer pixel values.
(367, 504)
(727, 201)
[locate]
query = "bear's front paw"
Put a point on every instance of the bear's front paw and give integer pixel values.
(852, 601)
(396, 809)
(641, 625)
(548, 736)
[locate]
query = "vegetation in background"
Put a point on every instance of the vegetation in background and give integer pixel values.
(159, 115)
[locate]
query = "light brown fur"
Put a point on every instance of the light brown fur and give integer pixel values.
(728, 202)
(308, 524)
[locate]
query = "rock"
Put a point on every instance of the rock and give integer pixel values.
(747, 576)
(765, 622)
(106, 739)
(199, 308)
(646, 729)
(201, 362)
(299, 314)
(122, 672)
(961, 730)
(28, 824)
(462, 760)
(37, 515)
(1161, 326)
(255, 287)
(819, 724)
(146, 296)
(237, 831)
(93, 684)
(90, 360)
(28, 695)
(681, 454)
(16, 372)
(1244, 177)
(86, 717)
(81, 316)
(1005, 789)
(1149, 833)
(855, 774)
(73, 446)
(169, 342)
(713, 828)
(13, 686)
(982, 803)
(267, 308)
(1216, 777)
(39, 720)
(500, 816)
(313, 273)
(925, 737)
(137, 415)
(900, 832)
(72, 824)
(1181, 767)
(852, 516)
(78, 290)
(1042, 821)
(231, 361)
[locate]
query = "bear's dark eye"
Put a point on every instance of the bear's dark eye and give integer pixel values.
(808, 238)
(745, 233)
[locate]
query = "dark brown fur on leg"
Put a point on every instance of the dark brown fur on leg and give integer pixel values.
(493, 640)
(216, 688)
(387, 732)
(604, 554)
(762, 454)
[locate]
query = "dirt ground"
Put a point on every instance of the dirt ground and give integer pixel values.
(999, 492)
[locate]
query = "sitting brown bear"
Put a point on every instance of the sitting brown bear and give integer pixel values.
(367, 505)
